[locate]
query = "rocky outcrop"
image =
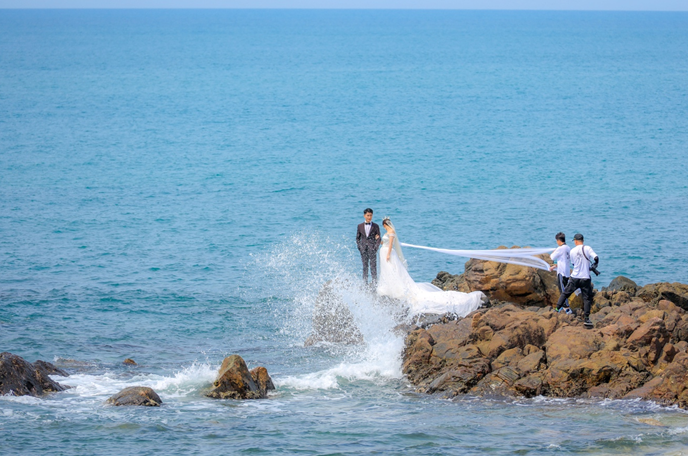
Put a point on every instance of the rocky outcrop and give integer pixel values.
(637, 349)
(136, 395)
(262, 380)
(234, 381)
(677, 293)
(504, 282)
(332, 319)
(19, 377)
(130, 362)
(622, 283)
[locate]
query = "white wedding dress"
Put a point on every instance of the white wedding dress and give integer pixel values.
(394, 281)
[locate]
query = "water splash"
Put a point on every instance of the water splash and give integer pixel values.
(294, 273)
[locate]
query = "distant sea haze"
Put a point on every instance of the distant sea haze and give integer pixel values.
(175, 186)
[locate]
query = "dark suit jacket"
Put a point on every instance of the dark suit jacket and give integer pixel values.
(369, 242)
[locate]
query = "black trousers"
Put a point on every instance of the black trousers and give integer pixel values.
(369, 258)
(585, 286)
(561, 283)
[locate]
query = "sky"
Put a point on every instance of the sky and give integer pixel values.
(592, 5)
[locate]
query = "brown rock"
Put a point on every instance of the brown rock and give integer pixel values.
(485, 333)
(234, 381)
(654, 313)
(671, 387)
(617, 389)
(667, 356)
(651, 335)
(644, 391)
(529, 386)
(19, 377)
(549, 323)
(530, 349)
(669, 307)
(455, 332)
(620, 298)
(677, 293)
(626, 325)
(136, 395)
(532, 362)
(261, 378)
(561, 378)
(599, 302)
(680, 331)
(573, 377)
(130, 362)
(622, 283)
(498, 382)
(572, 343)
(461, 377)
(49, 368)
(417, 354)
(507, 358)
(681, 346)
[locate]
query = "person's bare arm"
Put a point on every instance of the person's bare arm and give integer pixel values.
(391, 242)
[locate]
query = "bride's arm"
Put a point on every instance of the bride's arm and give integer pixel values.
(391, 242)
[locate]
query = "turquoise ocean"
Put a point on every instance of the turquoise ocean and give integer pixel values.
(176, 186)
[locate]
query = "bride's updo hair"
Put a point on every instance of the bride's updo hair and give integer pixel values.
(385, 221)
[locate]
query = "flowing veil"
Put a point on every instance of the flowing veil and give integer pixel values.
(520, 256)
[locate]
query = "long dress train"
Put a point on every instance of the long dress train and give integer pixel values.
(394, 281)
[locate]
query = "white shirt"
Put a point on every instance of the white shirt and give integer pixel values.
(581, 266)
(367, 228)
(563, 258)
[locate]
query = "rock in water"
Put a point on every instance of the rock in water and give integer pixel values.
(332, 319)
(504, 282)
(261, 378)
(136, 395)
(50, 368)
(622, 283)
(234, 381)
(130, 362)
(19, 377)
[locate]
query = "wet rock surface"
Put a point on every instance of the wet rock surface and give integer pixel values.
(19, 377)
(234, 381)
(136, 395)
(638, 348)
(262, 380)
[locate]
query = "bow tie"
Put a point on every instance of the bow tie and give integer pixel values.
(368, 223)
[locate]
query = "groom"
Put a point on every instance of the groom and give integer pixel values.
(368, 240)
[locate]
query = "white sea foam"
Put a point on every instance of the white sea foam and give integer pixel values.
(182, 383)
(296, 271)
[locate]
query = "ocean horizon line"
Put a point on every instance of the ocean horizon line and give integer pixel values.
(267, 8)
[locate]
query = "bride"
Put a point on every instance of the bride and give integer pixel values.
(394, 281)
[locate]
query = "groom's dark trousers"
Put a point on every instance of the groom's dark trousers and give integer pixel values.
(368, 246)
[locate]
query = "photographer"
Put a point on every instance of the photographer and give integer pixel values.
(584, 260)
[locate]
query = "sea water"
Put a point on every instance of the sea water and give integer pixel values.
(176, 186)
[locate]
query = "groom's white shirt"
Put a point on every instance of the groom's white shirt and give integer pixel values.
(367, 228)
